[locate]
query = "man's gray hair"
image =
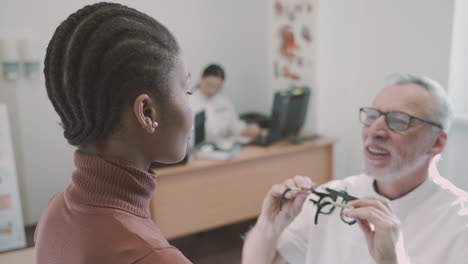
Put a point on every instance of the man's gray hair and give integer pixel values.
(442, 108)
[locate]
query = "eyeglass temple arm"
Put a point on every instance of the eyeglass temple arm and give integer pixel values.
(428, 122)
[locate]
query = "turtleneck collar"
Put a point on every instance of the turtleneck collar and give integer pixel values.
(101, 182)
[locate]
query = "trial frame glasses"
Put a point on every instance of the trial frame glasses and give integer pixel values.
(326, 202)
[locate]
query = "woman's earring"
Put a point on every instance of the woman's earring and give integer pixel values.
(155, 124)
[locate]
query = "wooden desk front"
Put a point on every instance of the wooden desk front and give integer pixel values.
(206, 194)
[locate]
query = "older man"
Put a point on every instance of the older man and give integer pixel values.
(406, 212)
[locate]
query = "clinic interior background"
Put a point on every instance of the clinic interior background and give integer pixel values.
(356, 45)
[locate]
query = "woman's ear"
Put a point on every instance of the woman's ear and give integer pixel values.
(145, 113)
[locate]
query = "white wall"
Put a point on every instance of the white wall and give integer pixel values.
(232, 33)
(454, 164)
(360, 42)
(459, 64)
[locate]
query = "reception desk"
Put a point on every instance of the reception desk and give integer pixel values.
(205, 194)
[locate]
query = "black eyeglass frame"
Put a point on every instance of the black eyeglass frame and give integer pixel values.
(324, 206)
(411, 117)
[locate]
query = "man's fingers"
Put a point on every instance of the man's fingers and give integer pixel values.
(299, 181)
(303, 182)
(298, 184)
(294, 206)
(365, 225)
(289, 183)
(367, 228)
(371, 202)
(384, 201)
(277, 190)
(372, 215)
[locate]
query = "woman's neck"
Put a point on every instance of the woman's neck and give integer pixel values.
(118, 150)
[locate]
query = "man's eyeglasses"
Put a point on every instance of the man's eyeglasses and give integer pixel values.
(395, 120)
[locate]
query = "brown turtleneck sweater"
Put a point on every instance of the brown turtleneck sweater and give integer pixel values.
(103, 217)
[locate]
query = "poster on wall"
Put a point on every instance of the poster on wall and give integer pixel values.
(12, 233)
(293, 50)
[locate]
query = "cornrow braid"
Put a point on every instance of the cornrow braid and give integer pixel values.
(99, 59)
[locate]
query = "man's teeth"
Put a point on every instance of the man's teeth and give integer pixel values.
(377, 151)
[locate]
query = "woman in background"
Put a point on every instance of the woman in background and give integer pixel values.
(222, 121)
(119, 82)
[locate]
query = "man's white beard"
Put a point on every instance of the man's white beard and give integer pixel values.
(396, 170)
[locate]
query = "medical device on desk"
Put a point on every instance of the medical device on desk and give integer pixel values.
(287, 117)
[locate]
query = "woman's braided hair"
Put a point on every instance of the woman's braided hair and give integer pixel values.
(99, 59)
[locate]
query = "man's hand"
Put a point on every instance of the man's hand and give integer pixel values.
(271, 213)
(381, 228)
(261, 242)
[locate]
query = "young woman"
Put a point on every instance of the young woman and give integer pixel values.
(119, 82)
